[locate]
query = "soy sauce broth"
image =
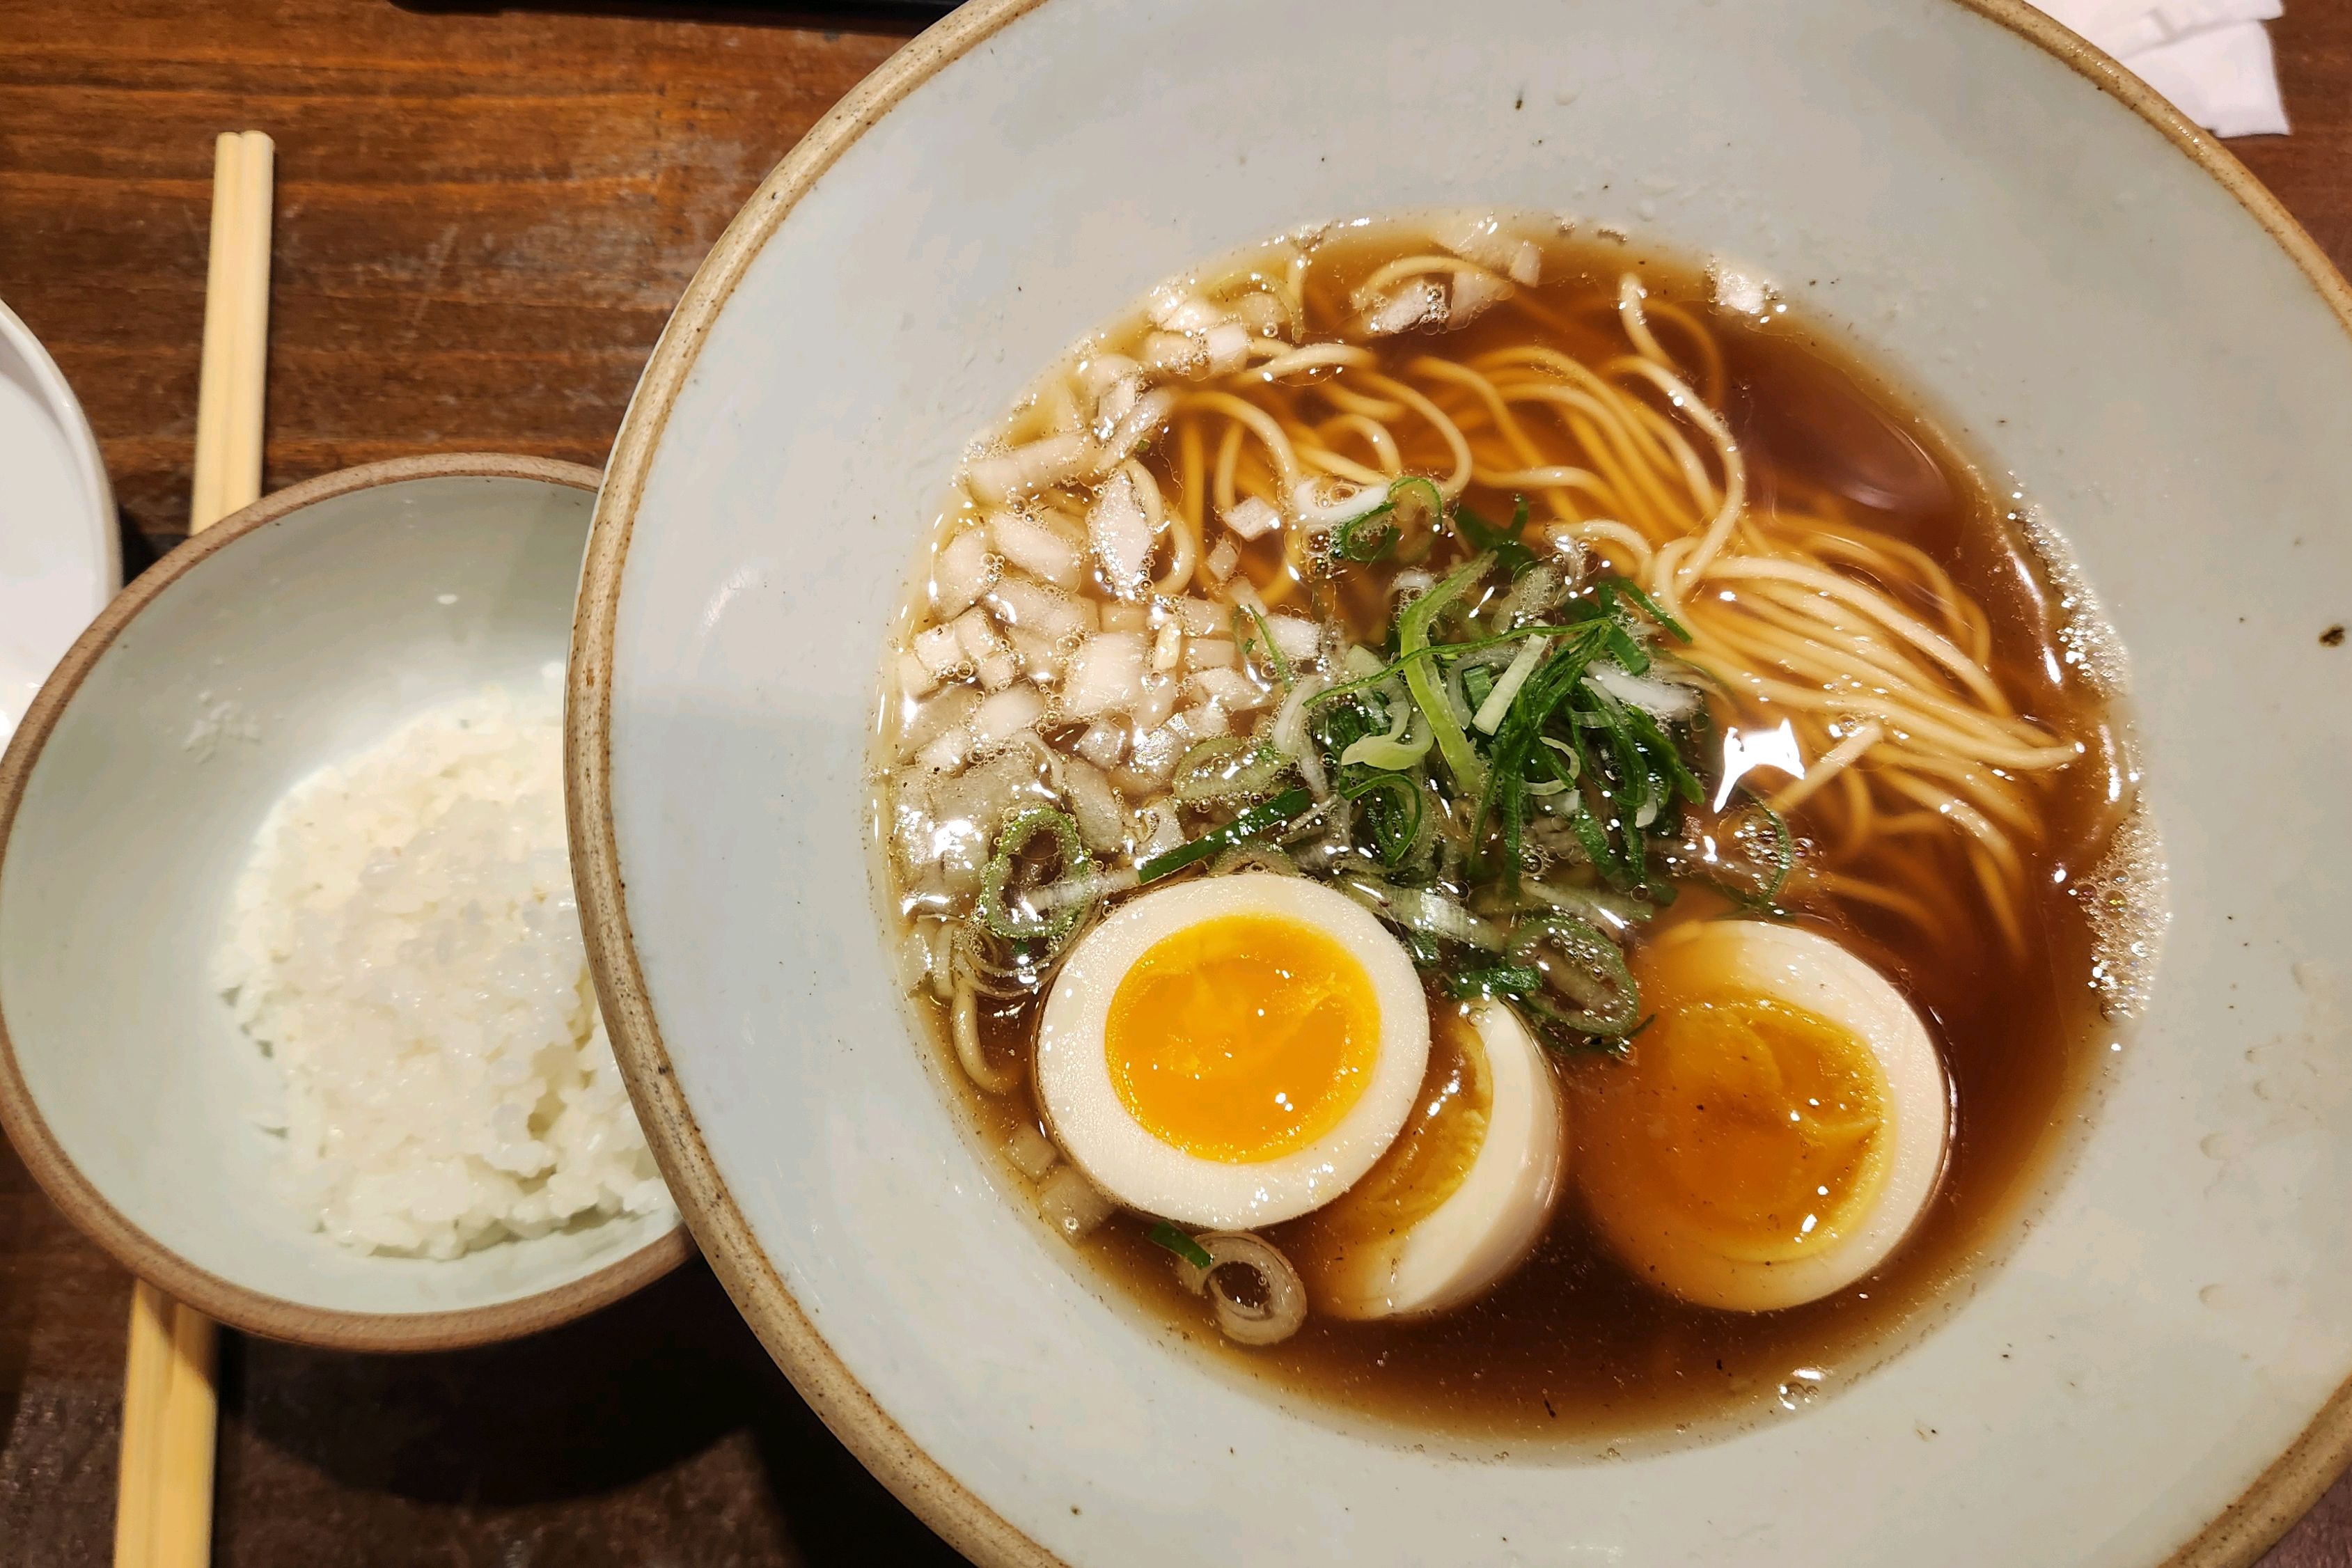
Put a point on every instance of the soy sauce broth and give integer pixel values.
(1573, 1347)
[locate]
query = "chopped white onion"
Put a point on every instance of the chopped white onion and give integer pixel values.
(1094, 806)
(945, 753)
(1202, 617)
(1116, 403)
(1008, 713)
(1229, 690)
(1168, 647)
(1179, 309)
(1209, 653)
(1073, 1205)
(1173, 354)
(965, 571)
(997, 479)
(1162, 831)
(1039, 607)
(1222, 561)
(1475, 237)
(1159, 749)
(1158, 701)
(929, 720)
(1102, 371)
(1206, 722)
(1122, 536)
(914, 678)
(1103, 743)
(940, 651)
(1416, 302)
(1149, 413)
(1229, 343)
(1104, 675)
(1250, 518)
(1030, 1152)
(991, 657)
(1474, 294)
(1041, 656)
(1038, 548)
(1527, 263)
(1296, 637)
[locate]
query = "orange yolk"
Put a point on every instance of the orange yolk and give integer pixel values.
(1755, 1122)
(1243, 1039)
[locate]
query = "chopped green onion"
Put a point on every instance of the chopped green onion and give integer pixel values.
(1261, 818)
(1274, 656)
(1413, 639)
(1582, 965)
(1511, 980)
(1394, 839)
(1649, 606)
(1489, 717)
(1227, 768)
(1502, 543)
(1164, 1235)
(1415, 501)
(1030, 924)
(1348, 544)
(1396, 751)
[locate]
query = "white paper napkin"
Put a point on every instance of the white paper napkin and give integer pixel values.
(2210, 57)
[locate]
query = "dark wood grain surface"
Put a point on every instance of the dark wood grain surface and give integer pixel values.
(484, 218)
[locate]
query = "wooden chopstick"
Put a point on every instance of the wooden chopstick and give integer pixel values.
(164, 1516)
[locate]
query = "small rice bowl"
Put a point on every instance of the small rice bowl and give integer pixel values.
(404, 945)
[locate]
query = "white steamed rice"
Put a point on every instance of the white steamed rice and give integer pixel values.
(406, 945)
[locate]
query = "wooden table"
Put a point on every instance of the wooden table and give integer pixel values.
(483, 221)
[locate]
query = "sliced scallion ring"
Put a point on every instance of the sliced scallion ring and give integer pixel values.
(1581, 967)
(1026, 924)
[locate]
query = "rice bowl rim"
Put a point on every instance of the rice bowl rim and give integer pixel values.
(88, 1210)
(2233, 1538)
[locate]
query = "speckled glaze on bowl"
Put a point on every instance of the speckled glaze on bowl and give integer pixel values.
(2093, 294)
(324, 616)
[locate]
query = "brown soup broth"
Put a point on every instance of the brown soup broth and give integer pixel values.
(1573, 1346)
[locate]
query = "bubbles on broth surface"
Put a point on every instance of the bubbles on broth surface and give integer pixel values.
(1165, 583)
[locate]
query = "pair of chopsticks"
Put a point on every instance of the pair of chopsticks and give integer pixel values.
(163, 1514)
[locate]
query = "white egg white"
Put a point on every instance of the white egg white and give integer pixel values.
(1807, 970)
(1482, 1229)
(1121, 1156)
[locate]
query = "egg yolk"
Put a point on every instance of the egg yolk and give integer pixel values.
(1758, 1123)
(1426, 1165)
(1243, 1039)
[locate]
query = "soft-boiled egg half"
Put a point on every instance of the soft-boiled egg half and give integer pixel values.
(1781, 1125)
(1465, 1190)
(1234, 1052)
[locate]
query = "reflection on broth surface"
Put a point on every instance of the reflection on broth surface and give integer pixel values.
(1694, 721)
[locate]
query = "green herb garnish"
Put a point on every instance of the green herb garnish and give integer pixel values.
(1261, 818)
(1164, 1235)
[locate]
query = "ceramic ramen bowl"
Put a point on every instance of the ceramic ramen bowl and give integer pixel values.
(284, 638)
(2087, 291)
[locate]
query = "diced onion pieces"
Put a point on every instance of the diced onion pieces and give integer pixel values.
(999, 476)
(1416, 302)
(1105, 675)
(1073, 1205)
(1038, 548)
(1250, 518)
(1122, 537)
